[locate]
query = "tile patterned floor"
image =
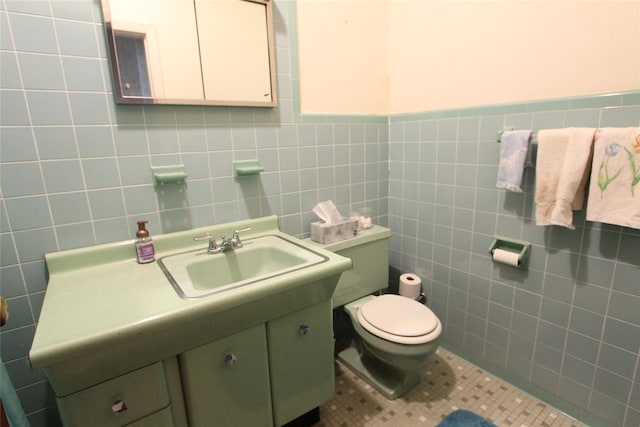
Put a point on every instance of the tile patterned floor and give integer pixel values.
(449, 383)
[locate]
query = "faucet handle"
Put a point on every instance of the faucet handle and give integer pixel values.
(212, 241)
(204, 237)
(235, 239)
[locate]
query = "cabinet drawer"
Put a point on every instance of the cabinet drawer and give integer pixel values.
(143, 392)
(163, 418)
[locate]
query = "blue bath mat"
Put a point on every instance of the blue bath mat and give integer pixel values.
(463, 418)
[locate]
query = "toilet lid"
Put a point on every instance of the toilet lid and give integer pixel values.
(398, 316)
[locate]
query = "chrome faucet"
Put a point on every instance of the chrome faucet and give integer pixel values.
(235, 239)
(225, 244)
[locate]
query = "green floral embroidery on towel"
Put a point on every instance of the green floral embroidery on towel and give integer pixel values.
(604, 180)
(635, 170)
(612, 150)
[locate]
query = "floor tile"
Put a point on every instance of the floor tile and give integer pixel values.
(448, 383)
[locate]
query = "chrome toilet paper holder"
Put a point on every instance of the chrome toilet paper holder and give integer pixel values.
(522, 248)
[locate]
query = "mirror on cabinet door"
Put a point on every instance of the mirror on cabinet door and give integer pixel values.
(192, 52)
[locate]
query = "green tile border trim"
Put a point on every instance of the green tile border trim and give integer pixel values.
(596, 101)
(342, 118)
(292, 27)
(617, 99)
(631, 98)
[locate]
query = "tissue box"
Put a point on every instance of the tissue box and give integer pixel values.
(324, 233)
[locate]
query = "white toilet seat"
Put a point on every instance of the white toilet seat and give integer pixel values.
(399, 319)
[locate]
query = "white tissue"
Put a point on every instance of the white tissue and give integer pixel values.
(363, 221)
(327, 212)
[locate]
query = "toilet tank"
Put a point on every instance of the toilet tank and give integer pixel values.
(369, 253)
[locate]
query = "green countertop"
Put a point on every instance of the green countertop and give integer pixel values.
(104, 314)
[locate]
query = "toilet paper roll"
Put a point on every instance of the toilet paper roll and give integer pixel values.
(410, 286)
(506, 257)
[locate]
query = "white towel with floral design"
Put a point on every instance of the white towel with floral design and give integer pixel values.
(614, 193)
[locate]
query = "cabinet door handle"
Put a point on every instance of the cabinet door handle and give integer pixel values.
(118, 407)
(304, 329)
(230, 359)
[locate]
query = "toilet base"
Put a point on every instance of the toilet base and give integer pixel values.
(391, 384)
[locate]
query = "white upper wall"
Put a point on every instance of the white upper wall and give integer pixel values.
(452, 54)
(342, 55)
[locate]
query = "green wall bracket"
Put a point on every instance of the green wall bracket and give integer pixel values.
(174, 174)
(518, 247)
(247, 167)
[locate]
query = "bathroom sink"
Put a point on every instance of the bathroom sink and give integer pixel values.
(196, 274)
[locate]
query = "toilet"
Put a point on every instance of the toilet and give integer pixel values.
(395, 336)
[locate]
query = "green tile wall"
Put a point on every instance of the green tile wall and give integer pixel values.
(567, 329)
(75, 168)
(75, 171)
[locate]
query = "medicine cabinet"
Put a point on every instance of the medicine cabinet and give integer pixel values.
(192, 52)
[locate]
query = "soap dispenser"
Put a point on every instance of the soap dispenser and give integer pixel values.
(144, 244)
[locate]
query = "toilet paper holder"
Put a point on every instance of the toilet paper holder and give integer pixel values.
(523, 249)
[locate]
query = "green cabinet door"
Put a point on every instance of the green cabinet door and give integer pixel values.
(301, 361)
(226, 382)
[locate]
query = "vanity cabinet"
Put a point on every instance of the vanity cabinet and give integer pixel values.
(266, 375)
(263, 375)
(113, 333)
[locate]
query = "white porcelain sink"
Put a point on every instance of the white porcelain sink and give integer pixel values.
(196, 274)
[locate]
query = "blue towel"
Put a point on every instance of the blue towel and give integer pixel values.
(464, 418)
(513, 153)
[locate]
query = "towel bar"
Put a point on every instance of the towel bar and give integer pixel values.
(501, 131)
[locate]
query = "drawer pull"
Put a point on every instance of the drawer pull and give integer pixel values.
(230, 359)
(304, 329)
(118, 407)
